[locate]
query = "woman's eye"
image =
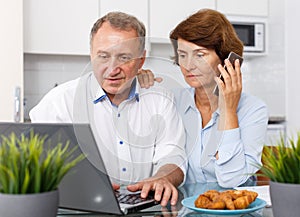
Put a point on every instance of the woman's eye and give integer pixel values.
(200, 55)
(181, 56)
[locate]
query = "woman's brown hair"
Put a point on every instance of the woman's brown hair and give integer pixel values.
(210, 29)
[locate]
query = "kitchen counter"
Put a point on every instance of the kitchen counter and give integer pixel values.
(276, 120)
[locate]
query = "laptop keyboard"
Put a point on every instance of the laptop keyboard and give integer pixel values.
(132, 198)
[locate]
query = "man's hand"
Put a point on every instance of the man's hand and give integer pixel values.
(162, 183)
(146, 78)
(115, 186)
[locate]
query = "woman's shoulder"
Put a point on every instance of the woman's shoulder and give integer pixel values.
(252, 107)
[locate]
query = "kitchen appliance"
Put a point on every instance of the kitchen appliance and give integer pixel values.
(252, 35)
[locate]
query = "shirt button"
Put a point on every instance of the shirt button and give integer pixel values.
(124, 169)
(121, 142)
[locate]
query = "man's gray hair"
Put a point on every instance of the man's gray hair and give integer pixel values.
(121, 21)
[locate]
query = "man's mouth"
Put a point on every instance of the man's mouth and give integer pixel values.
(114, 80)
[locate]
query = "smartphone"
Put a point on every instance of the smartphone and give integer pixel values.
(231, 57)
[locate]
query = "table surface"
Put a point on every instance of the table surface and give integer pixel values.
(178, 210)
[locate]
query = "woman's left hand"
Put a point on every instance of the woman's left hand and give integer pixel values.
(230, 94)
(146, 78)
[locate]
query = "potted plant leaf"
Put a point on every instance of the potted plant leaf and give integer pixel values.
(281, 164)
(30, 172)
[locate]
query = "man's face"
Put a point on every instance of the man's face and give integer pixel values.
(116, 58)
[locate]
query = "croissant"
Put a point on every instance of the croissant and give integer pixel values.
(230, 199)
(202, 202)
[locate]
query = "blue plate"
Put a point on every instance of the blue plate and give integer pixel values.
(255, 205)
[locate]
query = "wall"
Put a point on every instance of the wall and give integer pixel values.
(11, 56)
(263, 76)
(292, 68)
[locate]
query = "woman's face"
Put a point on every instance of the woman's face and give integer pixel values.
(198, 64)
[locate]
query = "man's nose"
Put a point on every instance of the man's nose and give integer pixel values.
(112, 67)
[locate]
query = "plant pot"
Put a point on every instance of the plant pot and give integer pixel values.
(29, 205)
(285, 199)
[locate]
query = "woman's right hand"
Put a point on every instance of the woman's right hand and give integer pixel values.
(146, 78)
(230, 94)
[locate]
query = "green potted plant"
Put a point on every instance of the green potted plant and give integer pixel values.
(281, 164)
(30, 172)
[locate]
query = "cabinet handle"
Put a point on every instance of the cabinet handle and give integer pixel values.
(17, 104)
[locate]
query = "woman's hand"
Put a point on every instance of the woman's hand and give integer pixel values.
(146, 78)
(230, 94)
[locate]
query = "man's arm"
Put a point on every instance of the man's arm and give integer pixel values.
(164, 183)
(169, 160)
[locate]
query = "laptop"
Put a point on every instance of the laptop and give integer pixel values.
(87, 186)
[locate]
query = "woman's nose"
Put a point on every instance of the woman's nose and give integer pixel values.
(189, 64)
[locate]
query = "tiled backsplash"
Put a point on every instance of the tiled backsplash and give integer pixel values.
(262, 76)
(43, 72)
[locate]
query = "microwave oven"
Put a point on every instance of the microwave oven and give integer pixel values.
(252, 35)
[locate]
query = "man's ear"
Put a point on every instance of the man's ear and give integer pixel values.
(143, 59)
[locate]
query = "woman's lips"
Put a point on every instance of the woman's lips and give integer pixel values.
(192, 76)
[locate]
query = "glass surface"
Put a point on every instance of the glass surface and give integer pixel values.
(185, 191)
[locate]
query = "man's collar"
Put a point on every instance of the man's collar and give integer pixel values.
(100, 94)
(134, 91)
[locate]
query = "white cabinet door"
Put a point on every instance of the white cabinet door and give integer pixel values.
(274, 132)
(166, 14)
(137, 8)
(58, 26)
(243, 8)
(11, 57)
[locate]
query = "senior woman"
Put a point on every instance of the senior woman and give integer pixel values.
(225, 132)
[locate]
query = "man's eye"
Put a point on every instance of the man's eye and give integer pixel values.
(103, 56)
(124, 58)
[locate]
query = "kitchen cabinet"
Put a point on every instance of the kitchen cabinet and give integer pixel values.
(165, 15)
(243, 8)
(11, 57)
(274, 132)
(63, 27)
(138, 8)
(58, 27)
